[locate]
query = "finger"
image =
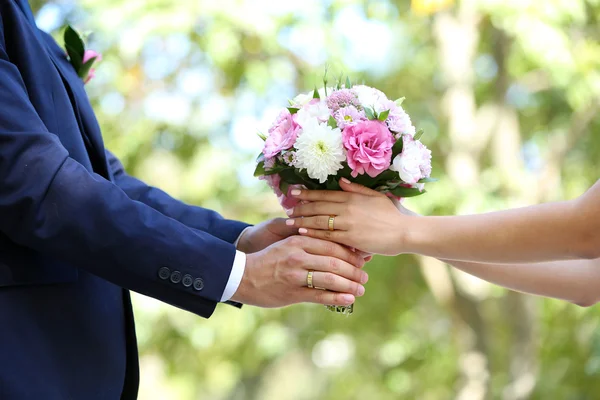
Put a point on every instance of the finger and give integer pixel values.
(350, 277)
(348, 186)
(334, 251)
(335, 283)
(316, 208)
(325, 297)
(363, 254)
(340, 237)
(318, 222)
(280, 227)
(334, 196)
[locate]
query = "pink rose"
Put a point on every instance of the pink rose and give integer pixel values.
(287, 202)
(282, 134)
(369, 145)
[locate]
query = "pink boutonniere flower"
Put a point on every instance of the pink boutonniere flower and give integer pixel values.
(81, 59)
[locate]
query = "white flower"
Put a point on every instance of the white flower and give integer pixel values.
(369, 97)
(318, 112)
(414, 163)
(302, 99)
(319, 150)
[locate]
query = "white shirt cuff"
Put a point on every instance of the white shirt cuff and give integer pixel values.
(237, 271)
(235, 278)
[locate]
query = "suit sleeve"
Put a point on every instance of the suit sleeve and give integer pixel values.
(192, 216)
(50, 203)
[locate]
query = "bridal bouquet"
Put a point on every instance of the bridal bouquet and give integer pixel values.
(347, 131)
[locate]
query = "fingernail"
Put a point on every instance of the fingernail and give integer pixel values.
(364, 278)
(361, 290)
(290, 211)
(348, 298)
(303, 230)
(296, 192)
(289, 222)
(345, 180)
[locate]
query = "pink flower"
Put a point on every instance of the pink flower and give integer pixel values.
(286, 200)
(282, 134)
(89, 54)
(342, 98)
(414, 163)
(369, 146)
(348, 116)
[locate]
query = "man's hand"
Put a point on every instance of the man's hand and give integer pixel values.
(260, 236)
(276, 276)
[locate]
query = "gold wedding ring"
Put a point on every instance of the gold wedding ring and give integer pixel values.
(331, 222)
(309, 279)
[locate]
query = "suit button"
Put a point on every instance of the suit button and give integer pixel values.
(176, 277)
(198, 284)
(164, 273)
(187, 280)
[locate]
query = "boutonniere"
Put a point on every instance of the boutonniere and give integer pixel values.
(80, 58)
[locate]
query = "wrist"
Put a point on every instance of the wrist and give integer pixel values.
(244, 288)
(405, 236)
(243, 242)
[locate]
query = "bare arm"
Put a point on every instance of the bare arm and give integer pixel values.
(552, 231)
(576, 281)
(368, 221)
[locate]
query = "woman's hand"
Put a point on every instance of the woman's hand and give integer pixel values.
(363, 218)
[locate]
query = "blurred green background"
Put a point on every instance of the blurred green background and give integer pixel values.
(507, 93)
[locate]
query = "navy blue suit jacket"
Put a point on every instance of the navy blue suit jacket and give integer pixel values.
(76, 232)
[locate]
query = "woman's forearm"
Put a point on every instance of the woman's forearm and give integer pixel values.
(553, 231)
(577, 281)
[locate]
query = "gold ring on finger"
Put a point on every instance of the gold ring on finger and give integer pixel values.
(309, 279)
(331, 222)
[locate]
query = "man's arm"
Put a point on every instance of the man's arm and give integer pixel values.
(195, 217)
(52, 204)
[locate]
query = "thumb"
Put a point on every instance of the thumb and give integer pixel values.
(348, 186)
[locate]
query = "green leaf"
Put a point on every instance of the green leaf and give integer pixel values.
(293, 110)
(369, 113)
(383, 115)
(261, 157)
(284, 186)
(348, 84)
(426, 180)
(260, 169)
(262, 135)
(402, 191)
(74, 58)
(399, 101)
(397, 148)
(73, 40)
(85, 68)
(332, 122)
(316, 94)
(418, 134)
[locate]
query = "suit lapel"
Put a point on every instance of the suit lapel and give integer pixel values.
(82, 108)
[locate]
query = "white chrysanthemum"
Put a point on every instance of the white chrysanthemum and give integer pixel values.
(319, 150)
